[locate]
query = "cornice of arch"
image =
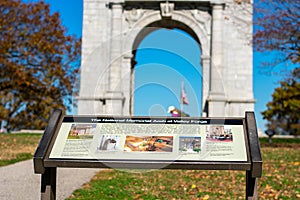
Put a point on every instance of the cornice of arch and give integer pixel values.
(196, 20)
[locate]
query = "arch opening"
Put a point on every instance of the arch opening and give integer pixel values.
(167, 63)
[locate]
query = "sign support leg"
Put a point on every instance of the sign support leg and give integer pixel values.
(251, 186)
(48, 184)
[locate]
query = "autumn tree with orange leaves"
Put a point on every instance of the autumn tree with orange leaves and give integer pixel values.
(39, 64)
(277, 28)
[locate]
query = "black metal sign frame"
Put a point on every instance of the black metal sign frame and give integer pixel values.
(47, 166)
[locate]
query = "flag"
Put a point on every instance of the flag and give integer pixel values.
(184, 99)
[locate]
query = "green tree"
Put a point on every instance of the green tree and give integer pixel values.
(39, 64)
(277, 29)
(283, 112)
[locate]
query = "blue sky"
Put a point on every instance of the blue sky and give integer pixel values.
(162, 68)
(263, 85)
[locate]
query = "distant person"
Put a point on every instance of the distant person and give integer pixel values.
(3, 130)
(175, 112)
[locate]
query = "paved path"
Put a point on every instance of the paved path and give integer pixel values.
(18, 181)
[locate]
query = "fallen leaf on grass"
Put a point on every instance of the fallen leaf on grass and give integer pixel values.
(137, 196)
(86, 186)
(192, 192)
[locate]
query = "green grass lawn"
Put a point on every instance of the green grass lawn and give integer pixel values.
(280, 180)
(17, 147)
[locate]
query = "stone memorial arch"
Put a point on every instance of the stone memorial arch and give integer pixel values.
(113, 30)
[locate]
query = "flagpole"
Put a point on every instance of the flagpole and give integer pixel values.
(181, 99)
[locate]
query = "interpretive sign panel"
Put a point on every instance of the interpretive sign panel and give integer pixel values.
(169, 139)
(148, 143)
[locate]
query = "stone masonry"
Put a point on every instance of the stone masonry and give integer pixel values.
(113, 30)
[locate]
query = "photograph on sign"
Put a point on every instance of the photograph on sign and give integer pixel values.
(189, 144)
(109, 143)
(219, 134)
(82, 131)
(148, 144)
